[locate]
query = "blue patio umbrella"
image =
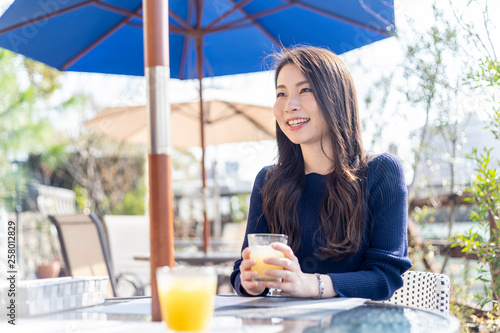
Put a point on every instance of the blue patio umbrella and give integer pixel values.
(206, 37)
(106, 36)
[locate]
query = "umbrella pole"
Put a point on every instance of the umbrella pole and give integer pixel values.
(204, 191)
(157, 71)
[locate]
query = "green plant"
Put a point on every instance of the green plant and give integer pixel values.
(486, 196)
(486, 187)
(461, 282)
(82, 199)
(47, 250)
(133, 202)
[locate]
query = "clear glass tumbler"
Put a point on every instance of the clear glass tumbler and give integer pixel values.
(260, 246)
(186, 297)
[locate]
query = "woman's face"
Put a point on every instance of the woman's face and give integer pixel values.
(296, 109)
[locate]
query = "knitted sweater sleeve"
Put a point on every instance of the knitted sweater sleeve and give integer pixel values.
(256, 224)
(386, 257)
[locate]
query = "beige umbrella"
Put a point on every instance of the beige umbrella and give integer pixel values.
(225, 122)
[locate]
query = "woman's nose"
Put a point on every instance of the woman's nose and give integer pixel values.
(292, 104)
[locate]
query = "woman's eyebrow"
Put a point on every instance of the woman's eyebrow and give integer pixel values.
(297, 84)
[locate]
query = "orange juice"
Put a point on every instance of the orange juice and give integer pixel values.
(259, 253)
(187, 300)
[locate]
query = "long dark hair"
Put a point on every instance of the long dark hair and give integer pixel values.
(342, 210)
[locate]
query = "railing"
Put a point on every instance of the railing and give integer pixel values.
(53, 200)
(443, 247)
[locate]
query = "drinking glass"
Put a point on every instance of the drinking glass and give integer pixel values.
(260, 246)
(186, 296)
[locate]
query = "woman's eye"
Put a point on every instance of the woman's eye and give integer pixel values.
(306, 90)
(280, 94)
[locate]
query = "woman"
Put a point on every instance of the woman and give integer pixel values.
(345, 215)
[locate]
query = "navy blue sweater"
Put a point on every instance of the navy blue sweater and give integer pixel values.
(374, 272)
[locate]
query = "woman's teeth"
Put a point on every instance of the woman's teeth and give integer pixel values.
(297, 122)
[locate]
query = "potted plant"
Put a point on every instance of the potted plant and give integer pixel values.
(48, 264)
(49, 270)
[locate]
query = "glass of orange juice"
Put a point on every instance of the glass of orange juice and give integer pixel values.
(186, 297)
(260, 246)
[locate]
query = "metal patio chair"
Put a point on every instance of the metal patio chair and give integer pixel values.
(424, 290)
(85, 249)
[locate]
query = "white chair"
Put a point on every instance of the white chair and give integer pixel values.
(424, 290)
(128, 235)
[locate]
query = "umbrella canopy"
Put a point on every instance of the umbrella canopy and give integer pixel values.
(225, 122)
(107, 37)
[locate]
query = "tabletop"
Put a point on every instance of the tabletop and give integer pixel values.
(250, 314)
(214, 242)
(198, 258)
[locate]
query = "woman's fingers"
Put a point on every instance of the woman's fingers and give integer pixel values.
(292, 283)
(291, 287)
(245, 254)
(293, 280)
(291, 275)
(251, 285)
(279, 273)
(287, 250)
(283, 262)
(247, 275)
(246, 264)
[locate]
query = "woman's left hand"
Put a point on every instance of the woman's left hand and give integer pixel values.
(294, 282)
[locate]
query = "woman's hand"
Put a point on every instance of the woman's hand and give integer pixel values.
(246, 274)
(294, 282)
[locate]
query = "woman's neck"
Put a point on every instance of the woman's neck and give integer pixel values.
(315, 160)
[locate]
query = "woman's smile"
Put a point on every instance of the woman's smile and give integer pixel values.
(297, 123)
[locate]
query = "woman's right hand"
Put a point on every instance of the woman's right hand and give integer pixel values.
(246, 275)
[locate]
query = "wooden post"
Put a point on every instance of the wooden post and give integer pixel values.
(204, 190)
(157, 72)
(199, 69)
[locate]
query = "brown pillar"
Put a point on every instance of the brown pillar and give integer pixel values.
(204, 190)
(157, 72)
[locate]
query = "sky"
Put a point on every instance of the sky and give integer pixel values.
(258, 88)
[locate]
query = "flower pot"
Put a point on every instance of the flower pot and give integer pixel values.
(51, 270)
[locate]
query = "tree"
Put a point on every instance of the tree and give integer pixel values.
(27, 114)
(25, 90)
(434, 68)
(108, 176)
(486, 188)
